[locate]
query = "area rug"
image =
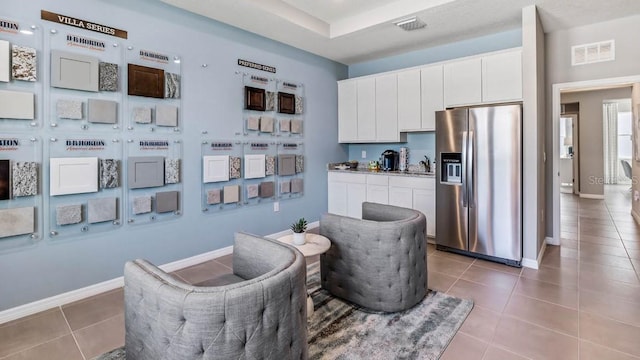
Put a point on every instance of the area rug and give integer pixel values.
(344, 331)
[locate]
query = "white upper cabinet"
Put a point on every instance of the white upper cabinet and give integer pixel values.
(431, 95)
(502, 76)
(409, 109)
(387, 108)
(463, 82)
(366, 109)
(347, 111)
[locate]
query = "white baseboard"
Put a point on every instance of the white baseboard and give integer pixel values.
(91, 290)
(551, 241)
(535, 264)
(592, 196)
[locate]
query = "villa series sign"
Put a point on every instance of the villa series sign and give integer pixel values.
(82, 24)
(256, 66)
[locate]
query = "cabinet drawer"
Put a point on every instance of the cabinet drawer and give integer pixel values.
(377, 180)
(413, 182)
(349, 178)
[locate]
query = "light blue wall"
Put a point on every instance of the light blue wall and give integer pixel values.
(419, 144)
(210, 101)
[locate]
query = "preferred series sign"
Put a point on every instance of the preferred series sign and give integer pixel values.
(82, 24)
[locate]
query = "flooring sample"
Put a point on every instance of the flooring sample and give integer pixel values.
(142, 115)
(255, 98)
(145, 81)
(297, 185)
(69, 109)
(252, 191)
(270, 102)
(254, 166)
(24, 62)
(285, 125)
(171, 86)
(108, 76)
(142, 205)
(17, 105)
(286, 103)
(286, 164)
(267, 189)
(266, 124)
(296, 126)
(270, 168)
(299, 105)
(101, 210)
(213, 196)
(166, 115)
(17, 221)
(74, 71)
(171, 171)
(166, 201)
(73, 175)
(109, 173)
(5, 179)
(24, 176)
(299, 164)
(145, 171)
(253, 123)
(5, 63)
(103, 111)
(231, 194)
(235, 165)
(285, 187)
(215, 168)
(68, 214)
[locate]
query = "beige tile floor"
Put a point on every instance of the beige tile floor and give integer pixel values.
(583, 303)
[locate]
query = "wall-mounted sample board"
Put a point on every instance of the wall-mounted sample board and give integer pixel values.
(222, 168)
(291, 164)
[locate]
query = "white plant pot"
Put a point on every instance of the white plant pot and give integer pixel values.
(299, 238)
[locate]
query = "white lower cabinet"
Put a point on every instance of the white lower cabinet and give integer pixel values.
(416, 193)
(401, 196)
(378, 189)
(346, 193)
(424, 200)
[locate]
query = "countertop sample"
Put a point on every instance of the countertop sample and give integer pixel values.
(365, 171)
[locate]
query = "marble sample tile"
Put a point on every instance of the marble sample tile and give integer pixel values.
(299, 164)
(103, 111)
(252, 191)
(297, 185)
(296, 126)
(254, 166)
(5, 63)
(109, 173)
(17, 105)
(68, 214)
(266, 124)
(69, 109)
(166, 201)
(145, 171)
(231, 194)
(266, 189)
(108, 76)
(235, 164)
(166, 115)
(5, 179)
(270, 166)
(24, 63)
(299, 104)
(25, 178)
(286, 164)
(171, 85)
(270, 102)
(74, 71)
(101, 210)
(171, 171)
(285, 187)
(213, 196)
(253, 123)
(17, 221)
(142, 205)
(142, 115)
(285, 125)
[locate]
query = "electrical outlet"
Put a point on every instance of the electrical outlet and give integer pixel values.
(276, 206)
(364, 154)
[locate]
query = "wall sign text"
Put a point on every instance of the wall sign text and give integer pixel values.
(82, 24)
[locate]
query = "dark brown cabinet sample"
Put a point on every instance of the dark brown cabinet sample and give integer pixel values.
(5, 185)
(146, 81)
(286, 103)
(255, 98)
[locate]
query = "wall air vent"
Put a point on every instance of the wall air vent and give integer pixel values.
(410, 24)
(593, 53)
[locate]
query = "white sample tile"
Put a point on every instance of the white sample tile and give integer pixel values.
(17, 105)
(100, 210)
(266, 124)
(68, 214)
(166, 115)
(74, 71)
(142, 115)
(69, 109)
(254, 166)
(231, 194)
(5, 63)
(73, 175)
(103, 111)
(17, 221)
(142, 205)
(285, 125)
(215, 168)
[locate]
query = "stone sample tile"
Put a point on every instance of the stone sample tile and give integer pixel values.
(299, 164)
(5, 179)
(266, 124)
(213, 196)
(296, 126)
(25, 178)
(104, 209)
(166, 201)
(297, 185)
(5, 61)
(69, 109)
(68, 214)
(270, 102)
(299, 104)
(285, 125)
(103, 111)
(285, 187)
(171, 85)
(231, 194)
(286, 164)
(270, 165)
(267, 189)
(235, 164)
(142, 205)
(18, 105)
(166, 115)
(252, 191)
(171, 171)
(109, 173)
(24, 63)
(17, 221)
(142, 115)
(108, 76)
(253, 123)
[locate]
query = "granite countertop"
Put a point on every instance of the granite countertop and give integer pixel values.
(380, 172)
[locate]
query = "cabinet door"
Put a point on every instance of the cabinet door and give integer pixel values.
(366, 109)
(337, 198)
(347, 111)
(424, 200)
(431, 94)
(378, 194)
(399, 196)
(356, 195)
(409, 117)
(502, 77)
(463, 82)
(387, 108)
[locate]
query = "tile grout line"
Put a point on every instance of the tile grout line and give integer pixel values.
(32, 347)
(73, 335)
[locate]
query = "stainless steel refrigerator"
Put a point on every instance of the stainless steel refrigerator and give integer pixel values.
(479, 182)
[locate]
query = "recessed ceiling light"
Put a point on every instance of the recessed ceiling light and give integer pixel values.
(409, 24)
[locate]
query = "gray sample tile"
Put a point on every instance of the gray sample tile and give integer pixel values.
(68, 214)
(17, 105)
(231, 194)
(5, 61)
(145, 171)
(103, 111)
(108, 76)
(285, 125)
(100, 210)
(285, 187)
(299, 163)
(166, 201)
(297, 185)
(296, 126)
(286, 164)
(171, 85)
(266, 124)
(253, 123)
(74, 71)
(235, 164)
(24, 63)
(213, 196)
(69, 109)
(270, 102)
(171, 171)
(142, 115)
(17, 221)
(142, 205)
(5, 179)
(166, 115)
(252, 191)
(270, 165)
(299, 105)
(267, 189)
(109, 173)
(25, 178)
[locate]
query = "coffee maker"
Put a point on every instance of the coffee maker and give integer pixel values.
(389, 160)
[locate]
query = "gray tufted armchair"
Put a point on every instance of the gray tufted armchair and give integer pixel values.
(378, 262)
(262, 317)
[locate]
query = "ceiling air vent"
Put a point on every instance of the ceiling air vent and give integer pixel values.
(593, 53)
(410, 24)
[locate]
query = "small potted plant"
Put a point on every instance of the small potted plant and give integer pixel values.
(299, 228)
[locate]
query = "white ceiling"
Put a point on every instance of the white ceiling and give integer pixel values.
(352, 31)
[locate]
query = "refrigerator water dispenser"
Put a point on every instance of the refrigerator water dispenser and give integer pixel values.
(451, 168)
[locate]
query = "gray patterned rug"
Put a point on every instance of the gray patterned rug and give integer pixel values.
(340, 330)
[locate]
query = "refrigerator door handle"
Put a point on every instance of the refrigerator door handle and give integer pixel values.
(471, 145)
(465, 200)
